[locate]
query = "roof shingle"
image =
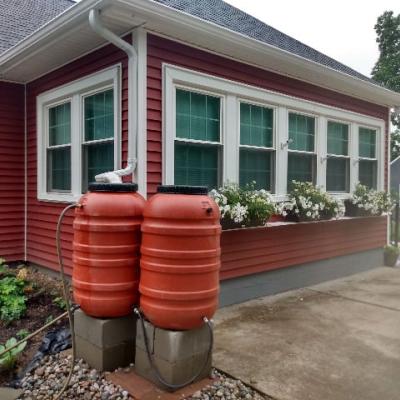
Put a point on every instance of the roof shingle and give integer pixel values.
(20, 18)
(230, 17)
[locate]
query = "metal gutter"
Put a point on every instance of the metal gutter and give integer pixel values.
(96, 24)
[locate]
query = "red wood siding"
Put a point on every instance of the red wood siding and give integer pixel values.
(264, 249)
(43, 216)
(161, 50)
(12, 161)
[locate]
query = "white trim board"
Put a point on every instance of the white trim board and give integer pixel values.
(75, 92)
(231, 93)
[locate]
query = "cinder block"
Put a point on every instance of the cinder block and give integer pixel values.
(108, 358)
(178, 355)
(173, 345)
(175, 373)
(104, 332)
(177, 345)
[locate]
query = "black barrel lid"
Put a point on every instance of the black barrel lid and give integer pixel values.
(175, 189)
(112, 187)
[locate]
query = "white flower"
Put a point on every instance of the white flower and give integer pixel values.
(238, 212)
(308, 213)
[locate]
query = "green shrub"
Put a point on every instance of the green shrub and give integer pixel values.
(12, 299)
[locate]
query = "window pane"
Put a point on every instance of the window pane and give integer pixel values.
(337, 174)
(197, 116)
(338, 138)
(97, 158)
(60, 124)
(59, 169)
(99, 116)
(300, 167)
(301, 132)
(256, 165)
(367, 143)
(256, 125)
(367, 173)
(196, 165)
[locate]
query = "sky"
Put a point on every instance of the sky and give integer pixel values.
(341, 29)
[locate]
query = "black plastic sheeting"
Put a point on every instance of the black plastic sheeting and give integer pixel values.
(53, 342)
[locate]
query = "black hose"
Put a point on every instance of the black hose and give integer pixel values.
(154, 366)
(66, 297)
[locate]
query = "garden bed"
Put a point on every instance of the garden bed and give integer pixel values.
(43, 303)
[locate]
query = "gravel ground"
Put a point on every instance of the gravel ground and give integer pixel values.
(88, 384)
(227, 389)
(45, 381)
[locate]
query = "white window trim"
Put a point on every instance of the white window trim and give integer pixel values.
(75, 92)
(174, 76)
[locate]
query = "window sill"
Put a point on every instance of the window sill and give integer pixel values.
(58, 197)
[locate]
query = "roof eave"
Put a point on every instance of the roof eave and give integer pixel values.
(180, 25)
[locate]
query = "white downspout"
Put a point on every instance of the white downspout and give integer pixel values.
(97, 25)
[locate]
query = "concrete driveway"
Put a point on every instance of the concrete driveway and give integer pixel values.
(334, 341)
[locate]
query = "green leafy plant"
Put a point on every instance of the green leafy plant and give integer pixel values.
(9, 359)
(49, 319)
(22, 334)
(60, 302)
(12, 299)
(368, 202)
(308, 202)
(391, 254)
(243, 206)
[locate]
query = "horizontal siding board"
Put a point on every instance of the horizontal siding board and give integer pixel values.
(12, 155)
(43, 216)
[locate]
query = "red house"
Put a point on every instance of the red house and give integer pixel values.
(170, 83)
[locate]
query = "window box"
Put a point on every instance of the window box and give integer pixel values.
(248, 251)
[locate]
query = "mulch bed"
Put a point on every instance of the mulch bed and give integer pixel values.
(40, 308)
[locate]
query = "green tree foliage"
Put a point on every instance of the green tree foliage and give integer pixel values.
(395, 144)
(387, 68)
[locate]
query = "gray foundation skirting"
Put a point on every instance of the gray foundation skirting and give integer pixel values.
(238, 290)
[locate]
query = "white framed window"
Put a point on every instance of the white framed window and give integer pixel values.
(302, 151)
(338, 157)
(198, 138)
(269, 137)
(368, 157)
(257, 145)
(78, 127)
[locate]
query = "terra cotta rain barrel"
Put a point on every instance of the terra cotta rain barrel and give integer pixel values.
(180, 257)
(106, 249)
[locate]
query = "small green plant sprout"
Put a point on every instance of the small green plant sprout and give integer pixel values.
(22, 334)
(60, 302)
(9, 359)
(12, 299)
(49, 319)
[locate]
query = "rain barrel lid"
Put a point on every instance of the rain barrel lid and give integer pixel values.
(112, 187)
(174, 189)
